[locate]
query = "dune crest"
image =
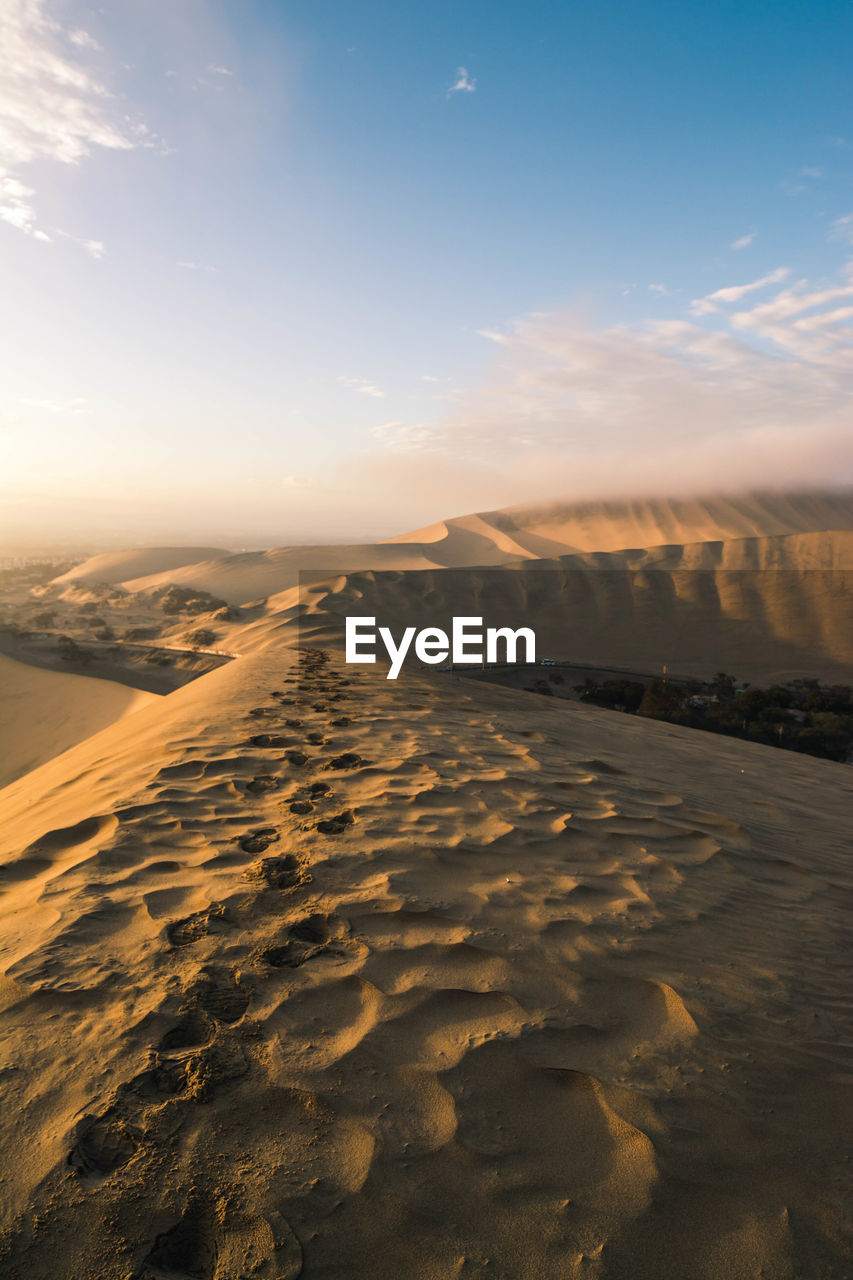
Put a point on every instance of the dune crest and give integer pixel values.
(384, 949)
(492, 538)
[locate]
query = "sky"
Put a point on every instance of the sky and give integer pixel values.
(276, 272)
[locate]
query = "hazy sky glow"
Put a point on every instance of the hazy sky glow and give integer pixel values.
(284, 271)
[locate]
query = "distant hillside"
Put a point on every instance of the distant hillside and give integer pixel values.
(763, 609)
(557, 528)
(115, 566)
(490, 538)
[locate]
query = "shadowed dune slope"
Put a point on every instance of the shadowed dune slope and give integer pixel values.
(308, 973)
(747, 607)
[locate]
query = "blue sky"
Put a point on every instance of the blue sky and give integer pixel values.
(286, 271)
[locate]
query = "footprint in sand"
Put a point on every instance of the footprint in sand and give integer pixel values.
(268, 740)
(103, 1144)
(210, 1244)
(286, 872)
(262, 783)
(219, 995)
(334, 826)
(194, 1030)
(317, 934)
(259, 840)
(347, 760)
(183, 932)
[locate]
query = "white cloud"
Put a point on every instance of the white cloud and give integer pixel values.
(220, 71)
(196, 266)
(83, 40)
(790, 302)
(733, 293)
(95, 248)
(463, 83)
(667, 406)
(659, 288)
(364, 387)
(743, 242)
(842, 229)
(16, 209)
(52, 106)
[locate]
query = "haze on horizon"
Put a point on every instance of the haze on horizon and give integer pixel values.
(307, 272)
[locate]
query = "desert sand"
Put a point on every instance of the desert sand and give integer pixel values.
(43, 713)
(310, 973)
(494, 538)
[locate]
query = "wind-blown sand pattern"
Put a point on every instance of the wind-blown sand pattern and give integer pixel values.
(309, 973)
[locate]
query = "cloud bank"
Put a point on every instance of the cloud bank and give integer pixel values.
(732, 398)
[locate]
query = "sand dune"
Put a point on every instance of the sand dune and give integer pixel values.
(311, 974)
(561, 527)
(43, 713)
(252, 575)
(499, 537)
(114, 566)
(746, 607)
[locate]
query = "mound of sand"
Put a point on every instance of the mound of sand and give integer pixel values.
(114, 566)
(504, 537)
(307, 973)
(746, 607)
(43, 713)
(556, 528)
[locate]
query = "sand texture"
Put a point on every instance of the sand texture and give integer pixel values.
(43, 713)
(311, 974)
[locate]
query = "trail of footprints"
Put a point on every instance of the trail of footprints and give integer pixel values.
(213, 1042)
(208, 1046)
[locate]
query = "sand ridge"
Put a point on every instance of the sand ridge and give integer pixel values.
(339, 955)
(499, 537)
(762, 609)
(114, 566)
